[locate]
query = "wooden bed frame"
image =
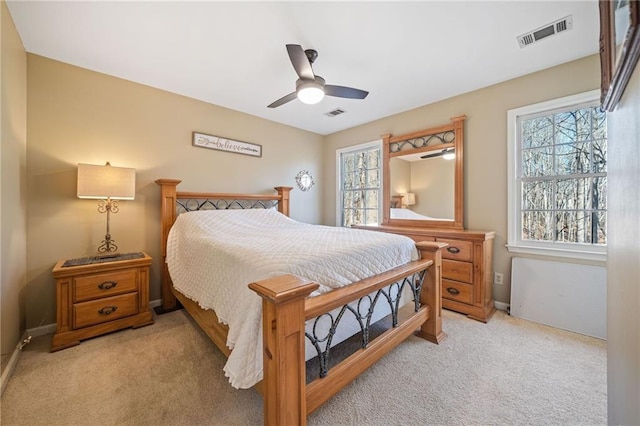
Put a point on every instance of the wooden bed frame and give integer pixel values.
(288, 399)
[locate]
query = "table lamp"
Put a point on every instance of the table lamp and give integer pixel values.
(107, 184)
(408, 199)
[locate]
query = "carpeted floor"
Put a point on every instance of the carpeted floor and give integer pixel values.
(506, 372)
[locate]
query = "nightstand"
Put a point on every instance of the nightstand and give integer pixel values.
(98, 295)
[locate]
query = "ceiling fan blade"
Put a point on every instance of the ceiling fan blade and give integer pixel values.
(344, 92)
(438, 154)
(283, 100)
(300, 62)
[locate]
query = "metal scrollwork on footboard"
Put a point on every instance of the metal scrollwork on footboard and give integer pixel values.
(392, 294)
(184, 205)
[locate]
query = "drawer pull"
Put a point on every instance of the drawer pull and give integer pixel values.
(453, 291)
(107, 285)
(454, 250)
(107, 310)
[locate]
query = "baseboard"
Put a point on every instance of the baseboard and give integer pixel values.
(155, 303)
(501, 306)
(42, 330)
(11, 365)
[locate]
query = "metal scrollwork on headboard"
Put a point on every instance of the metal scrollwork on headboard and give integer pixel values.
(184, 205)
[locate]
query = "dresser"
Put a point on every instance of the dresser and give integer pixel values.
(466, 267)
(97, 296)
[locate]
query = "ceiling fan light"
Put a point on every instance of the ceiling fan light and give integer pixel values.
(310, 93)
(449, 155)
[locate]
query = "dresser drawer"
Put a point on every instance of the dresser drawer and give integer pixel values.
(105, 309)
(457, 291)
(102, 285)
(459, 271)
(457, 250)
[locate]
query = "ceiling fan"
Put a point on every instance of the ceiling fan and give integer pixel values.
(447, 154)
(311, 88)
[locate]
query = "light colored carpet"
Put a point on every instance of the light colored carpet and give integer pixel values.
(506, 372)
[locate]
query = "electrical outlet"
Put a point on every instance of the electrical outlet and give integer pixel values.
(498, 278)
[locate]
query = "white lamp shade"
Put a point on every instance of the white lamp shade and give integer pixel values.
(101, 182)
(409, 199)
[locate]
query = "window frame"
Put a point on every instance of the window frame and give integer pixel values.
(353, 148)
(515, 243)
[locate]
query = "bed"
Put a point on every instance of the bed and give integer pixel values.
(287, 307)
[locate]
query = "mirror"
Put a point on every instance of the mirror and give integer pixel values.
(424, 186)
(304, 180)
(423, 181)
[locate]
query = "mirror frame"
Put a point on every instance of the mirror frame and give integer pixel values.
(456, 126)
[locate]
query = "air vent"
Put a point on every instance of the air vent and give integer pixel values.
(335, 112)
(553, 28)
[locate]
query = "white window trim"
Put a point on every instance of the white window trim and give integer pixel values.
(514, 244)
(376, 143)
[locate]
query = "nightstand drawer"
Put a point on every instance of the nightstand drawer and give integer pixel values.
(457, 250)
(457, 291)
(105, 309)
(459, 271)
(102, 285)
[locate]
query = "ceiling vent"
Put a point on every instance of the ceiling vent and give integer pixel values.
(335, 112)
(553, 28)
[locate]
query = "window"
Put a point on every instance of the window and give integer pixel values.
(359, 181)
(558, 178)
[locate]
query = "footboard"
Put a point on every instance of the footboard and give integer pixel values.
(287, 398)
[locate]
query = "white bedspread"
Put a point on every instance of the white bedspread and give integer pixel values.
(213, 255)
(410, 214)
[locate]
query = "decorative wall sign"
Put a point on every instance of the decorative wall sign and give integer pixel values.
(223, 144)
(304, 180)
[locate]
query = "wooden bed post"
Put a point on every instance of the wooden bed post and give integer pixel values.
(283, 313)
(431, 293)
(283, 204)
(167, 217)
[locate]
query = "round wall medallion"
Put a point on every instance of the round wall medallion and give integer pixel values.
(304, 180)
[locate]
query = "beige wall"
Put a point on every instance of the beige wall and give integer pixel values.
(79, 116)
(485, 149)
(433, 182)
(13, 204)
(623, 269)
(399, 176)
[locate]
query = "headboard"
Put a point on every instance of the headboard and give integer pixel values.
(172, 203)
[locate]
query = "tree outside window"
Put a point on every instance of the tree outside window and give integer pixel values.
(360, 181)
(564, 176)
(558, 178)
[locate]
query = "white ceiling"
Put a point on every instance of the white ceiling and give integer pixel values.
(406, 54)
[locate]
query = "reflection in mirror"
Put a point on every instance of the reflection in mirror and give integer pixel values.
(431, 181)
(621, 25)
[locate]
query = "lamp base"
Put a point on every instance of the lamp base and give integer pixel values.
(108, 246)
